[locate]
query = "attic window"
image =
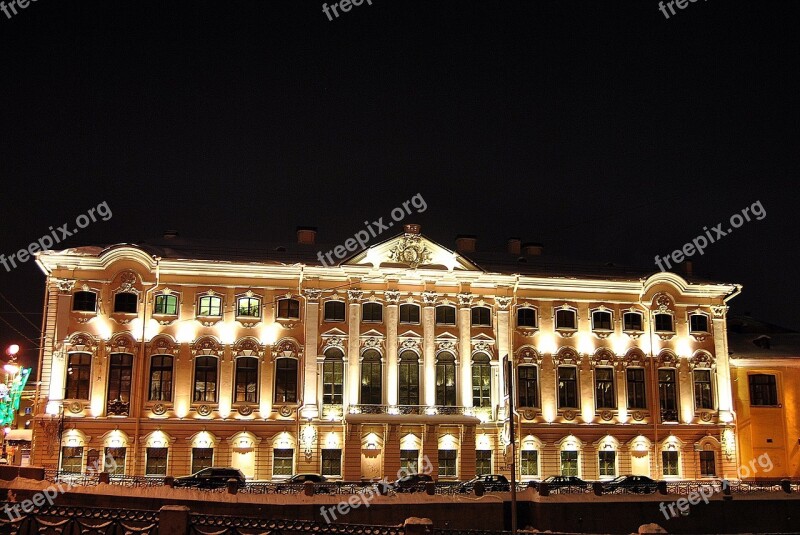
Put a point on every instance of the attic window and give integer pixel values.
(762, 341)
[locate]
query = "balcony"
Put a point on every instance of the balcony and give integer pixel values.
(484, 413)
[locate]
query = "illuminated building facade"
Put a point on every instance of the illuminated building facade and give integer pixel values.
(174, 356)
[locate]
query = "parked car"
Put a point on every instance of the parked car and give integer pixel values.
(297, 480)
(635, 484)
(565, 481)
(411, 483)
(491, 482)
(211, 478)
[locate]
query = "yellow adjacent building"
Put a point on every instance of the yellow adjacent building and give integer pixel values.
(174, 356)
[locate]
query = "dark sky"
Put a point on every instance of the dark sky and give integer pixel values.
(600, 128)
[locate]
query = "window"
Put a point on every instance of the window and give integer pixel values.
(763, 390)
(119, 377)
(205, 378)
(408, 377)
(565, 319)
(447, 463)
(698, 323)
(632, 321)
(529, 460)
(202, 458)
(285, 380)
(332, 463)
(702, 390)
(115, 461)
(569, 463)
(708, 466)
(409, 461)
(372, 312)
(445, 315)
(637, 399)
(156, 462)
(567, 387)
(84, 302)
(160, 378)
(209, 305)
(607, 463)
(166, 304)
(333, 377)
(481, 317)
(249, 307)
(334, 311)
(282, 461)
(246, 380)
(409, 313)
(78, 376)
(668, 395)
(483, 462)
(604, 395)
(125, 303)
(289, 309)
(601, 320)
(446, 379)
(528, 386)
(664, 323)
(371, 378)
(481, 381)
(72, 459)
(526, 317)
(669, 461)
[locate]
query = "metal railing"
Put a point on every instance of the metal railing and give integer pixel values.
(200, 524)
(77, 520)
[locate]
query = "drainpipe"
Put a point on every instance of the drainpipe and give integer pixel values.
(656, 402)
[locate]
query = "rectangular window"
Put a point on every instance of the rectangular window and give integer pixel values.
(447, 463)
(601, 321)
(126, 303)
(607, 463)
(202, 458)
(708, 466)
(289, 309)
(567, 387)
(332, 463)
(632, 321)
(84, 301)
(445, 315)
(528, 386)
(702, 389)
(282, 462)
(115, 461)
(205, 379)
(246, 390)
(763, 390)
(210, 306)
(160, 378)
(72, 459)
(119, 377)
(569, 463)
(526, 317)
(481, 317)
(667, 392)
(605, 397)
(529, 460)
(166, 304)
(156, 462)
(249, 307)
(78, 376)
(565, 319)
(409, 461)
(409, 313)
(637, 399)
(483, 462)
(663, 323)
(334, 311)
(332, 382)
(669, 460)
(698, 323)
(285, 380)
(372, 312)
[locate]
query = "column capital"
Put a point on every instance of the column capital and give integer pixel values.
(355, 296)
(312, 294)
(429, 298)
(392, 297)
(503, 302)
(465, 299)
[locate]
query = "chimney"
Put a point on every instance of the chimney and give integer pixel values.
(688, 268)
(465, 243)
(412, 228)
(306, 235)
(533, 249)
(514, 246)
(170, 234)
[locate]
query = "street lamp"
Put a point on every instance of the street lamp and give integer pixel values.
(11, 366)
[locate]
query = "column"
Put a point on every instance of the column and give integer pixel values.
(503, 347)
(311, 334)
(723, 375)
(429, 348)
(392, 307)
(353, 343)
(464, 384)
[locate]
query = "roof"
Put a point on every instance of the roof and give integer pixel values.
(751, 338)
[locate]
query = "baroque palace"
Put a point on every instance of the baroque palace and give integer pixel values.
(174, 356)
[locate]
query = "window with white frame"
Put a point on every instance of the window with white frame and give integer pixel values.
(601, 320)
(632, 321)
(698, 323)
(209, 305)
(526, 317)
(566, 319)
(529, 463)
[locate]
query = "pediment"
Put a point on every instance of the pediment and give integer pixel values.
(412, 251)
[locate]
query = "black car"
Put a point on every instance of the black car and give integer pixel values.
(211, 478)
(565, 481)
(411, 483)
(634, 484)
(491, 483)
(295, 483)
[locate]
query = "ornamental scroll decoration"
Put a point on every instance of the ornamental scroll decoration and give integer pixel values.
(410, 250)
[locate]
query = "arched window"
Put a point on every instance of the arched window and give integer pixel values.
(119, 379)
(209, 305)
(408, 377)
(285, 380)
(249, 307)
(409, 313)
(125, 303)
(481, 317)
(371, 378)
(372, 312)
(166, 304)
(205, 378)
(160, 378)
(481, 380)
(446, 379)
(445, 315)
(333, 375)
(334, 311)
(78, 376)
(84, 301)
(528, 386)
(289, 309)
(246, 380)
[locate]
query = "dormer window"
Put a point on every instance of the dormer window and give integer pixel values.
(601, 320)
(84, 301)
(289, 309)
(566, 319)
(664, 323)
(166, 304)
(209, 305)
(698, 323)
(125, 303)
(248, 307)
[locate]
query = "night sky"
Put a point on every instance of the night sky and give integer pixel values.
(600, 128)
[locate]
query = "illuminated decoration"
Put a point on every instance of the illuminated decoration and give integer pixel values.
(308, 436)
(410, 250)
(728, 443)
(10, 395)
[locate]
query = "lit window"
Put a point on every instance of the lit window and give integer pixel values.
(408, 378)
(483, 462)
(447, 463)
(530, 462)
(249, 307)
(202, 458)
(205, 379)
(668, 394)
(569, 463)
(166, 304)
(282, 462)
(481, 381)
(72, 459)
(670, 462)
(371, 378)
(446, 379)
(78, 376)
(160, 378)
(333, 377)
(210, 305)
(409, 461)
(607, 461)
(119, 377)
